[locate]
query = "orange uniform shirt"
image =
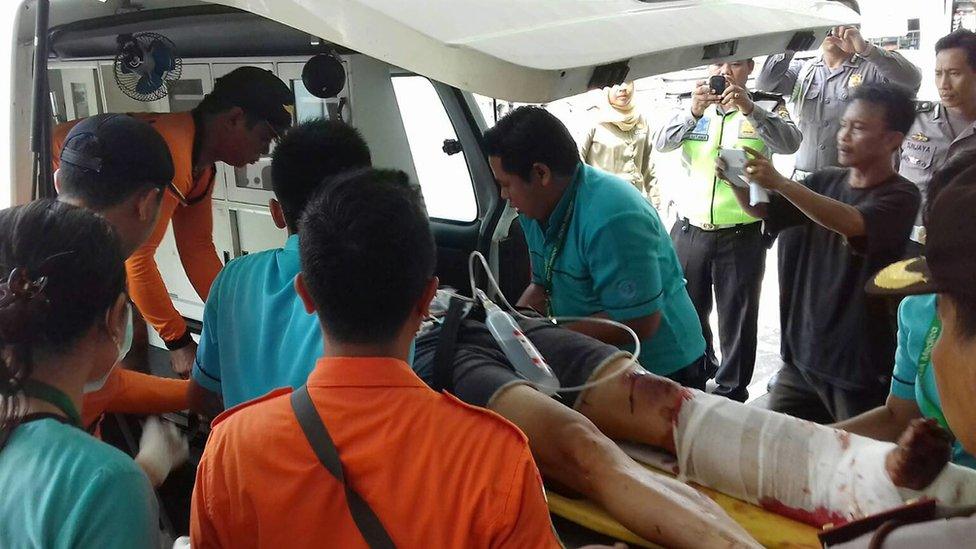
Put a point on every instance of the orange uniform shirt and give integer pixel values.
(437, 472)
(129, 392)
(192, 226)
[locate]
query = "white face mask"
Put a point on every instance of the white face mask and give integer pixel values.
(124, 346)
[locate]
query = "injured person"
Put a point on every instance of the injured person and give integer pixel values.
(792, 467)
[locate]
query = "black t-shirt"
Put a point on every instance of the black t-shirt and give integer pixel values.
(835, 330)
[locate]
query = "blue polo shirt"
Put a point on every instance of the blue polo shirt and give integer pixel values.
(617, 258)
(256, 334)
(63, 488)
(915, 315)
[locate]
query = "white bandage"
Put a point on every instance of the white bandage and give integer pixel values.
(814, 473)
(161, 448)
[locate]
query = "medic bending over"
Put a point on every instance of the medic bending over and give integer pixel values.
(235, 123)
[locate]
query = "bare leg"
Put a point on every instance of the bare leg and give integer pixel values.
(571, 450)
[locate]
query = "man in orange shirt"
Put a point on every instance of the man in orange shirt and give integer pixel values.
(433, 471)
(235, 123)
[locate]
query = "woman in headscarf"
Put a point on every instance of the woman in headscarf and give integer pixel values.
(620, 142)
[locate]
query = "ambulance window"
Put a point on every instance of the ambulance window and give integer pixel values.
(79, 98)
(444, 178)
(185, 94)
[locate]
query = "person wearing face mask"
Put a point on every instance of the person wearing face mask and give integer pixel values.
(620, 142)
(720, 245)
(63, 316)
(235, 123)
(941, 129)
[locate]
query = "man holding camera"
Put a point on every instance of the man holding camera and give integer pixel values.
(718, 243)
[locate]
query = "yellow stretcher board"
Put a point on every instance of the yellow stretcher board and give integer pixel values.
(770, 529)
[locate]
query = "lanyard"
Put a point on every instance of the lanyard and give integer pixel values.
(925, 404)
(556, 248)
(55, 397)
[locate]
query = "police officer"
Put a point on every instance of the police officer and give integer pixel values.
(718, 243)
(942, 128)
(819, 90)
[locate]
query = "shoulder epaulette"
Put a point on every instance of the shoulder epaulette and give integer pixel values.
(925, 106)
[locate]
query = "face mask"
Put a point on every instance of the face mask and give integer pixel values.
(124, 346)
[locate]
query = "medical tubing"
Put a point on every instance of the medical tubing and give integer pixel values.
(556, 320)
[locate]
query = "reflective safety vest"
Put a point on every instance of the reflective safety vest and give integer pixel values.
(705, 199)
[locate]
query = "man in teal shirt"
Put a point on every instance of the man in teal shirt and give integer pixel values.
(597, 247)
(257, 335)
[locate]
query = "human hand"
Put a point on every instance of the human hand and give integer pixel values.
(923, 451)
(738, 98)
(760, 170)
(852, 39)
(702, 97)
(182, 359)
(720, 167)
(161, 448)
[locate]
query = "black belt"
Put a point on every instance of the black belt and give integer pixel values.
(685, 222)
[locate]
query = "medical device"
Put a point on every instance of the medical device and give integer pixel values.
(525, 354)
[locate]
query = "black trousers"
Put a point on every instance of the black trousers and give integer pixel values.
(731, 261)
(808, 396)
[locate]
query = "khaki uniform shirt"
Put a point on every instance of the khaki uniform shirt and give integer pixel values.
(820, 95)
(928, 145)
(624, 154)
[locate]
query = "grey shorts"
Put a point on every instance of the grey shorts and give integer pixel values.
(481, 369)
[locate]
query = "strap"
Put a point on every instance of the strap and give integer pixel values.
(447, 347)
(318, 438)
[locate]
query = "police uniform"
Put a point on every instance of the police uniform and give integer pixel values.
(717, 242)
(819, 95)
(931, 141)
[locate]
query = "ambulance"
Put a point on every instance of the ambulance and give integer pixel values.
(417, 79)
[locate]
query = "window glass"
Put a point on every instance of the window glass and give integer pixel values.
(307, 106)
(79, 98)
(444, 178)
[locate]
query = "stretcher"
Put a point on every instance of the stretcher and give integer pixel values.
(770, 529)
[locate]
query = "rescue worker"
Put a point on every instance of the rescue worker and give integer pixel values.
(941, 129)
(253, 295)
(466, 477)
(913, 393)
(857, 220)
(597, 248)
(720, 246)
(819, 90)
(235, 123)
(63, 319)
(120, 167)
(619, 142)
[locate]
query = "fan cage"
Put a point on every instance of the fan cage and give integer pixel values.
(127, 81)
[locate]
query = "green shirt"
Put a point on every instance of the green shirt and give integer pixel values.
(62, 488)
(617, 258)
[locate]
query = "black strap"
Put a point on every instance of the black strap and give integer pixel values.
(318, 438)
(447, 347)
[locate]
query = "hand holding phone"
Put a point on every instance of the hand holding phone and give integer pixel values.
(717, 84)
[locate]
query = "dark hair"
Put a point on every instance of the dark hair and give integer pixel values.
(959, 169)
(367, 253)
(963, 39)
(897, 101)
(530, 135)
(306, 155)
(65, 269)
(212, 105)
(98, 192)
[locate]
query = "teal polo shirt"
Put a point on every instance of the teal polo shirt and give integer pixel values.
(915, 315)
(256, 334)
(63, 488)
(617, 258)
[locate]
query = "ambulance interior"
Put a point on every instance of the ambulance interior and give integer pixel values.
(411, 75)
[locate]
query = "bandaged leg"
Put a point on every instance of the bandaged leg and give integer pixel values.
(793, 467)
(571, 450)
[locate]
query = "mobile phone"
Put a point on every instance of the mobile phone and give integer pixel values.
(717, 84)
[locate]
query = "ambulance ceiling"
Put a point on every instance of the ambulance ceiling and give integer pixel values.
(534, 50)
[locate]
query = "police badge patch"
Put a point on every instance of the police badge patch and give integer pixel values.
(855, 80)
